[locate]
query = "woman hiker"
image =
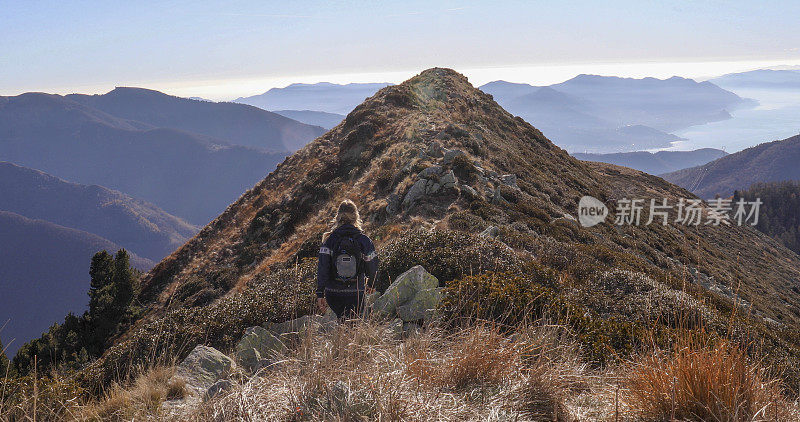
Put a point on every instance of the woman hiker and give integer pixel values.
(347, 265)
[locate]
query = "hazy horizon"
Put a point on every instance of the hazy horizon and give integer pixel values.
(221, 52)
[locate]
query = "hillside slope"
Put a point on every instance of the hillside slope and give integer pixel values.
(432, 162)
(236, 124)
(768, 162)
(188, 175)
(44, 273)
(137, 225)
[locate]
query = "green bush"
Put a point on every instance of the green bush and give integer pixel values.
(446, 254)
(505, 297)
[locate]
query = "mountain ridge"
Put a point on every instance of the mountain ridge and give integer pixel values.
(774, 161)
(235, 124)
(432, 163)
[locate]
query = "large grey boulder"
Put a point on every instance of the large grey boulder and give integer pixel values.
(203, 367)
(258, 344)
(422, 306)
(413, 296)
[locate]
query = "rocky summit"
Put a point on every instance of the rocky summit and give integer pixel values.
(447, 179)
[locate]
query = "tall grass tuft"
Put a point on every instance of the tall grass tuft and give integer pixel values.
(714, 381)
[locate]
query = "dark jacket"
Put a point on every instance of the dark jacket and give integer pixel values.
(325, 271)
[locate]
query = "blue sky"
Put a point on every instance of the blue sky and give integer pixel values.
(222, 50)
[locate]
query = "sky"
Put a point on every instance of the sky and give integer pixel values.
(223, 50)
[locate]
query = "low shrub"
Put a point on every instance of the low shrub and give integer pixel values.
(446, 254)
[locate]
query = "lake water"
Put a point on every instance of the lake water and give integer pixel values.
(776, 117)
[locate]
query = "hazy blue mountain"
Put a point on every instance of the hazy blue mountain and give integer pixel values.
(656, 163)
(769, 162)
(188, 175)
(310, 117)
(235, 124)
(761, 79)
(136, 225)
(664, 104)
(323, 96)
(570, 122)
(44, 273)
(608, 114)
(503, 91)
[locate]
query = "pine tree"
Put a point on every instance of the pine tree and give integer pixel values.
(122, 281)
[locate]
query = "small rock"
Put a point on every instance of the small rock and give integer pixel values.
(395, 329)
(431, 171)
(490, 232)
(509, 180)
(393, 204)
(497, 197)
(415, 193)
(448, 180)
(218, 388)
(451, 154)
(470, 192)
(432, 187)
(434, 150)
(410, 329)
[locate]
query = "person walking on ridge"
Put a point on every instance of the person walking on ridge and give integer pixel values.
(347, 264)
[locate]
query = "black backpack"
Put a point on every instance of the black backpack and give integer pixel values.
(348, 261)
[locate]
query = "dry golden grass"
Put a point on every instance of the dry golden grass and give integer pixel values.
(706, 382)
(142, 400)
(363, 372)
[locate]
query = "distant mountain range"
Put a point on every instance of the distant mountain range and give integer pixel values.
(136, 225)
(761, 79)
(234, 124)
(44, 273)
(769, 162)
(587, 113)
(310, 117)
(656, 163)
(603, 114)
(323, 96)
(190, 175)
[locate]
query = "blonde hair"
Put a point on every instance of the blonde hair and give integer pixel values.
(346, 214)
